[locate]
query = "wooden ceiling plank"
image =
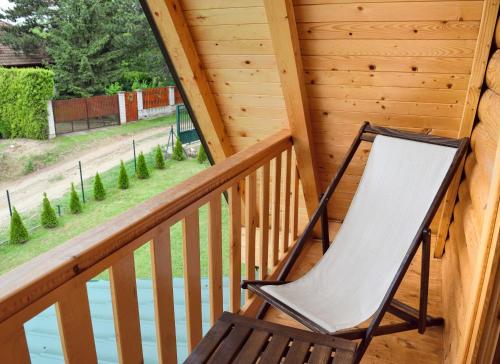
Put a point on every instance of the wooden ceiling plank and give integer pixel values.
(482, 52)
(168, 18)
(281, 19)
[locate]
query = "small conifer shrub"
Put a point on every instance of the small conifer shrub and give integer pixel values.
(48, 218)
(202, 155)
(159, 160)
(178, 153)
(123, 182)
(74, 201)
(142, 168)
(99, 191)
(18, 232)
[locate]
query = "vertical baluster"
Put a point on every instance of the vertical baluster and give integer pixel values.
(14, 347)
(192, 286)
(295, 200)
(264, 219)
(215, 257)
(163, 293)
(75, 326)
(286, 212)
(275, 214)
(250, 225)
(126, 310)
(234, 249)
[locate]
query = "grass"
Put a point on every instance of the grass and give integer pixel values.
(117, 201)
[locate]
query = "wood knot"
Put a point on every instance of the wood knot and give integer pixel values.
(372, 67)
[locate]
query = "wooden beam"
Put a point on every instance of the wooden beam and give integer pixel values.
(168, 20)
(281, 19)
(481, 55)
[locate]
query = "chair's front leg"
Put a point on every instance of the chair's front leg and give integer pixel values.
(325, 233)
(424, 279)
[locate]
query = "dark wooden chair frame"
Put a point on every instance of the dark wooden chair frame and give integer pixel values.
(412, 318)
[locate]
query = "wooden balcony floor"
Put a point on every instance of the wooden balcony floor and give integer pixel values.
(407, 347)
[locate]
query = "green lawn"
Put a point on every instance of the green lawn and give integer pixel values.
(116, 202)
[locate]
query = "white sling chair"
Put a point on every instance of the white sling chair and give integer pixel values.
(404, 181)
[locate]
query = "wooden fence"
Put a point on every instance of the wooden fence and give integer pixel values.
(155, 97)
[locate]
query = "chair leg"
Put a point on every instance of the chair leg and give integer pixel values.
(325, 234)
(424, 279)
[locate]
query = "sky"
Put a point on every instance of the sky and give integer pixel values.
(4, 4)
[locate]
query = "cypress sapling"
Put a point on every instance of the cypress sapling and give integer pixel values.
(123, 182)
(18, 232)
(202, 155)
(48, 217)
(74, 201)
(178, 153)
(99, 191)
(142, 168)
(159, 160)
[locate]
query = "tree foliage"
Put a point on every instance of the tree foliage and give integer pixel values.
(159, 160)
(99, 191)
(18, 232)
(48, 217)
(90, 43)
(142, 167)
(123, 182)
(75, 205)
(178, 153)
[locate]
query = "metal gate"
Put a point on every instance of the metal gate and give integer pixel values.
(85, 113)
(186, 131)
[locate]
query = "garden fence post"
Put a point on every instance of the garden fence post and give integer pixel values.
(135, 156)
(8, 202)
(121, 107)
(81, 180)
(50, 119)
(59, 210)
(171, 95)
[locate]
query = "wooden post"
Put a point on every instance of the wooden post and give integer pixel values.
(234, 249)
(215, 257)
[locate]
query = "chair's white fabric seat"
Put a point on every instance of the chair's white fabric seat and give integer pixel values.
(348, 283)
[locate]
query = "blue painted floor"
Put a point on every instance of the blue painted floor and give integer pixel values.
(43, 335)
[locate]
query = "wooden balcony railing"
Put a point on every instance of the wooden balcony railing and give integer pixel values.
(59, 277)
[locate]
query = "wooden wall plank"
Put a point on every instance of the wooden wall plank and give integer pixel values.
(192, 285)
(126, 310)
(486, 31)
(174, 32)
(281, 19)
(163, 295)
(215, 257)
(75, 327)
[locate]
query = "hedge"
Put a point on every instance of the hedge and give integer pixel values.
(24, 93)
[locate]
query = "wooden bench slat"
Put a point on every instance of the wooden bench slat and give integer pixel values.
(342, 357)
(126, 310)
(215, 257)
(253, 347)
(210, 342)
(231, 345)
(75, 326)
(298, 352)
(275, 349)
(321, 354)
(161, 267)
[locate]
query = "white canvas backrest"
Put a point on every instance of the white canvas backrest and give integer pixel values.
(348, 284)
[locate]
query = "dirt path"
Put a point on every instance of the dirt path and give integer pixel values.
(26, 192)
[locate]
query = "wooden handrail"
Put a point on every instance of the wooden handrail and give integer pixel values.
(38, 280)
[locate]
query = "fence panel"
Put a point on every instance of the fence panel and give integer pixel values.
(186, 131)
(155, 97)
